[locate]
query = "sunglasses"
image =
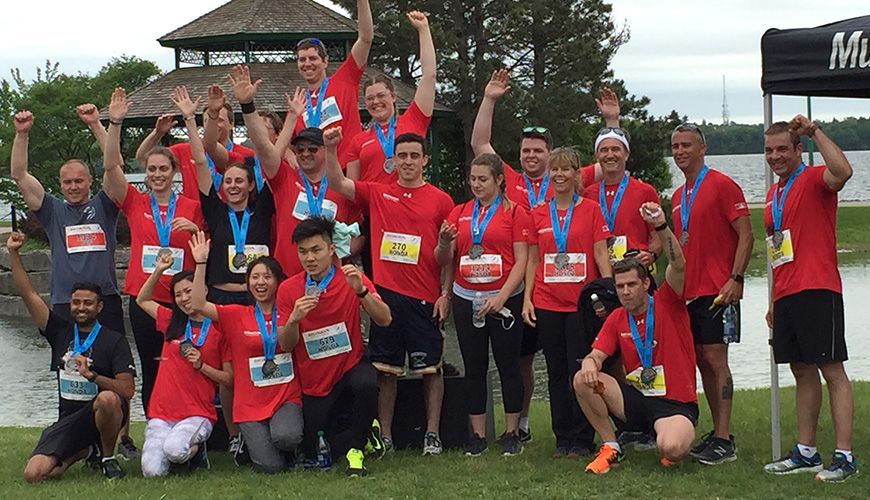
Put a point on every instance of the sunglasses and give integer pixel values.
(540, 130)
(691, 127)
(314, 41)
(311, 147)
(616, 130)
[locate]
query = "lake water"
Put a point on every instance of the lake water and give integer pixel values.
(29, 395)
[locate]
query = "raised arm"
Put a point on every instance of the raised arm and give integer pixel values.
(188, 108)
(481, 134)
(675, 274)
(608, 105)
(245, 92)
(216, 151)
(837, 167)
(337, 181)
(366, 34)
(35, 305)
(114, 182)
(30, 187)
(161, 128)
(425, 95)
(144, 299)
(295, 108)
(199, 251)
(90, 115)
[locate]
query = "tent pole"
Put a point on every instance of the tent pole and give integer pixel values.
(810, 143)
(775, 441)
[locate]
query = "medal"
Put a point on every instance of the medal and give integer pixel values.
(188, 342)
(560, 232)
(184, 347)
(163, 225)
(684, 238)
(478, 226)
(644, 347)
(686, 205)
(647, 375)
(240, 235)
(561, 260)
(315, 288)
(778, 238)
(71, 364)
(164, 251)
(312, 291)
(387, 143)
(476, 251)
(79, 347)
(389, 166)
(778, 203)
(239, 260)
(269, 336)
(269, 367)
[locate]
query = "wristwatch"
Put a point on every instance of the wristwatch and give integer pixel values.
(812, 131)
(93, 376)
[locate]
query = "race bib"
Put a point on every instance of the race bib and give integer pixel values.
(401, 248)
(301, 210)
(74, 387)
(283, 375)
(573, 272)
(655, 388)
(485, 269)
(327, 341)
(85, 238)
(782, 255)
(252, 252)
(329, 114)
(149, 257)
(617, 247)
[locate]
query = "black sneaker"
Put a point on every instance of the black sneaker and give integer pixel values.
(241, 457)
(718, 451)
(111, 469)
(525, 435)
(92, 460)
(511, 444)
(200, 459)
(126, 449)
(475, 446)
(700, 445)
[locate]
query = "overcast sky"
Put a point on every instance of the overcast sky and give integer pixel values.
(678, 53)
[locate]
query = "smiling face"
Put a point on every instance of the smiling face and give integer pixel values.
(75, 183)
(236, 186)
(380, 102)
(781, 154)
(315, 254)
(410, 160)
(563, 176)
(533, 156)
(309, 155)
(182, 292)
(262, 283)
(612, 155)
(688, 150)
(483, 184)
(311, 66)
(84, 306)
(159, 172)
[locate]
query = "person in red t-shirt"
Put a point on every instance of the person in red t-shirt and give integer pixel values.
(486, 240)
(320, 311)
(405, 217)
(806, 315)
(655, 340)
(267, 396)
(160, 223)
(712, 222)
(334, 101)
(182, 413)
(568, 248)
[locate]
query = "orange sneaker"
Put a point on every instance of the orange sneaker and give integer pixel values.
(606, 457)
(668, 463)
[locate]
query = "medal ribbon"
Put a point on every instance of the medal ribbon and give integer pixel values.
(685, 208)
(315, 204)
(240, 232)
(478, 227)
(560, 232)
(610, 214)
(161, 224)
(778, 203)
(535, 199)
(216, 176)
(78, 346)
(201, 336)
(268, 335)
(314, 114)
(387, 142)
(322, 284)
(644, 349)
(258, 174)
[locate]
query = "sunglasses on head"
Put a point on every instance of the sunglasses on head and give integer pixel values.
(311, 147)
(540, 130)
(691, 127)
(315, 41)
(616, 130)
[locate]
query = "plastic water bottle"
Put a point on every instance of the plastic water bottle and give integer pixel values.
(597, 305)
(476, 305)
(730, 325)
(324, 455)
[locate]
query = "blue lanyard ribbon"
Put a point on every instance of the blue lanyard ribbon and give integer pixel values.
(387, 142)
(610, 214)
(322, 284)
(258, 174)
(314, 114)
(315, 204)
(560, 232)
(203, 332)
(645, 347)
(268, 335)
(685, 207)
(535, 199)
(160, 224)
(216, 176)
(240, 232)
(478, 227)
(779, 202)
(79, 346)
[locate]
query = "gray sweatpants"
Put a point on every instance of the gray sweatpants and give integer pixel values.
(267, 440)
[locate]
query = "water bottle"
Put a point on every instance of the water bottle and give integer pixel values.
(324, 455)
(730, 325)
(476, 305)
(597, 305)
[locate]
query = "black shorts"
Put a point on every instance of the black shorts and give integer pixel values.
(707, 324)
(530, 344)
(641, 412)
(413, 331)
(73, 433)
(808, 327)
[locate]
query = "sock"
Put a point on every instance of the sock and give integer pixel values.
(848, 453)
(106, 459)
(614, 445)
(524, 423)
(807, 451)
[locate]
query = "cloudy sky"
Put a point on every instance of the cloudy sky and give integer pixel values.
(678, 53)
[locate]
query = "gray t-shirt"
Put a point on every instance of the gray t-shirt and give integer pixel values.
(82, 239)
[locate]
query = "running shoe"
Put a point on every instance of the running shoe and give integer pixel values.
(111, 469)
(840, 469)
(718, 451)
(200, 459)
(668, 463)
(241, 456)
(355, 467)
(605, 458)
(126, 449)
(375, 443)
(795, 462)
(511, 444)
(525, 435)
(235, 442)
(700, 445)
(431, 444)
(92, 460)
(475, 446)
(388, 443)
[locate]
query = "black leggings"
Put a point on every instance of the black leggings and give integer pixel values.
(149, 344)
(506, 344)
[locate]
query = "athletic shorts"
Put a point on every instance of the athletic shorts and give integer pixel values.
(530, 344)
(413, 332)
(641, 412)
(706, 324)
(73, 433)
(808, 327)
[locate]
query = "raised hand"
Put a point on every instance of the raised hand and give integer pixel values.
(296, 104)
(799, 125)
(216, 99)
(652, 214)
(353, 278)
(497, 85)
(331, 137)
(243, 89)
(164, 123)
(23, 121)
(199, 247)
(418, 20)
(119, 105)
(608, 104)
(15, 241)
(182, 101)
(88, 113)
(447, 233)
(302, 307)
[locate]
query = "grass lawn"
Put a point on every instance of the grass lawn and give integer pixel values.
(453, 476)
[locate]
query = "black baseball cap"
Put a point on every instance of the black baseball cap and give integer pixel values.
(312, 134)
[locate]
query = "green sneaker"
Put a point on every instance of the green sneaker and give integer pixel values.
(355, 467)
(375, 444)
(111, 469)
(840, 469)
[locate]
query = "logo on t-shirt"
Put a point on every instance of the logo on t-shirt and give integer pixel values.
(89, 212)
(740, 206)
(390, 197)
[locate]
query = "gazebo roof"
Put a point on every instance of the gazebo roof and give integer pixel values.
(257, 20)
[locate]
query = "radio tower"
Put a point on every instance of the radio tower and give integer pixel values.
(726, 117)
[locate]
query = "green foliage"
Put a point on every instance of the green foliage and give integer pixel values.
(851, 134)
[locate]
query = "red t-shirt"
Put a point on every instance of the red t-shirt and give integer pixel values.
(628, 221)
(515, 185)
(330, 332)
(187, 166)
(143, 233)
(712, 241)
(180, 391)
(674, 347)
(404, 225)
(490, 271)
(340, 107)
(587, 227)
(252, 403)
(366, 148)
(290, 208)
(810, 215)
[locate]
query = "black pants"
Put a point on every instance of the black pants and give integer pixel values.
(344, 415)
(506, 343)
(560, 336)
(112, 315)
(149, 344)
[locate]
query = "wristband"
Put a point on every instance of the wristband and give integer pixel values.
(201, 364)
(812, 131)
(113, 122)
(737, 277)
(445, 294)
(198, 263)
(363, 293)
(248, 107)
(662, 227)
(193, 117)
(93, 376)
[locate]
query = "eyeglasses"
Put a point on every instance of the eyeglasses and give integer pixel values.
(616, 130)
(314, 41)
(311, 147)
(691, 127)
(379, 96)
(540, 130)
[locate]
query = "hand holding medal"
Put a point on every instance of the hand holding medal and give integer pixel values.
(163, 262)
(652, 214)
